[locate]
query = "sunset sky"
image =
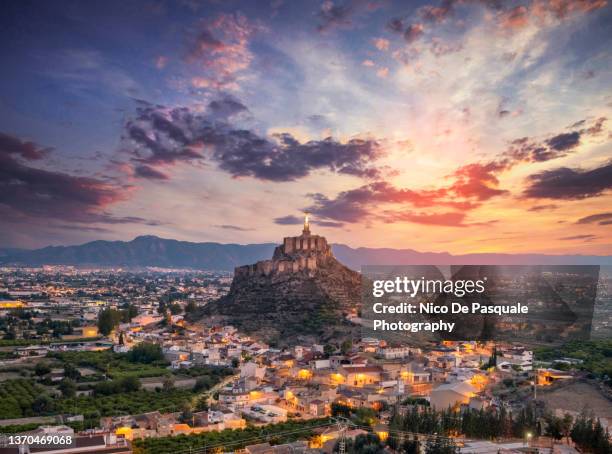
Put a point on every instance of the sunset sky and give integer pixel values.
(459, 126)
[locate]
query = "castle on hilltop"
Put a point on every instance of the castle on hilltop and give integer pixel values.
(304, 253)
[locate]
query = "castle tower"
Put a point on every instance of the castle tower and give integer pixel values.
(306, 230)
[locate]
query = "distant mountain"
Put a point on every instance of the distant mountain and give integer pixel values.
(144, 251)
(355, 258)
(154, 251)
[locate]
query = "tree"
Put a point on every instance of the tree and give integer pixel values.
(42, 369)
(67, 387)
(202, 384)
(108, 319)
(191, 307)
(129, 312)
(168, 384)
(554, 427)
(175, 308)
(187, 412)
(566, 425)
(202, 404)
(43, 404)
(71, 372)
(130, 384)
(346, 346)
(329, 349)
(146, 353)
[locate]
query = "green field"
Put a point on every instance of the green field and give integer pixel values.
(113, 365)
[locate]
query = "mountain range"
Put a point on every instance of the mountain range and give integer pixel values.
(150, 250)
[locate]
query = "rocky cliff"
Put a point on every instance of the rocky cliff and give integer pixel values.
(302, 294)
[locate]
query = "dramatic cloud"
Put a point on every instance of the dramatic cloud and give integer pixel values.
(364, 202)
(527, 149)
(601, 219)
(470, 185)
(569, 184)
(32, 192)
(478, 181)
(160, 137)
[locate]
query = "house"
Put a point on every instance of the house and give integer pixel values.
(317, 408)
(360, 376)
(451, 394)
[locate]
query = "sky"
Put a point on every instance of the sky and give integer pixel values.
(454, 125)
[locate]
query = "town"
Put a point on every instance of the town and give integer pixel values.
(114, 358)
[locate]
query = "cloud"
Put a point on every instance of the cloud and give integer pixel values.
(448, 219)
(563, 8)
(365, 202)
(518, 17)
(226, 107)
(27, 192)
(565, 141)
(288, 220)
(221, 51)
(159, 138)
(236, 228)
(597, 127)
(600, 218)
(514, 18)
(569, 184)
(382, 72)
(538, 208)
(148, 172)
(478, 181)
(25, 149)
(396, 25)
(329, 224)
(333, 15)
(579, 237)
(526, 149)
(413, 32)
(381, 43)
(439, 13)
(336, 14)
